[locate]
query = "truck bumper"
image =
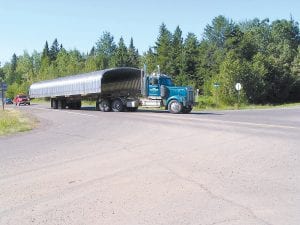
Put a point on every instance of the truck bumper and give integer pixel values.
(132, 103)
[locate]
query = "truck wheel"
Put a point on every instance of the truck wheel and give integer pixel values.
(117, 105)
(105, 106)
(175, 107)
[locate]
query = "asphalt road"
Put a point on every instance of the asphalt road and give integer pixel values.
(87, 167)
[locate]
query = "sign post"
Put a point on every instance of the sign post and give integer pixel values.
(3, 88)
(216, 86)
(238, 87)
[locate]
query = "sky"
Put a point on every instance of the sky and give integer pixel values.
(28, 24)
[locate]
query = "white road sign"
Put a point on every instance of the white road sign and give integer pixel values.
(238, 86)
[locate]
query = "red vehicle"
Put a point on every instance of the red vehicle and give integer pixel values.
(22, 100)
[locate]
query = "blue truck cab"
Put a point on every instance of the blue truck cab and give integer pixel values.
(176, 99)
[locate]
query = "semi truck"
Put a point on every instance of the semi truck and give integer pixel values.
(116, 89)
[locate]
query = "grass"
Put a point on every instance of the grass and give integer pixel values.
(208, 103)
(13, 121)
(88, 103)
(39, 101)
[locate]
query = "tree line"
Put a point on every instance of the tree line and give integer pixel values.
(262, 55)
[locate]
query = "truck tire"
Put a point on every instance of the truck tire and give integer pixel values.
(175, 107)
(117, 105)
(105, 105)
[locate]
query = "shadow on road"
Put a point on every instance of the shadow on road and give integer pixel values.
(91, 108)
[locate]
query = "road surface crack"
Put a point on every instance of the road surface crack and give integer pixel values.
(216, 196)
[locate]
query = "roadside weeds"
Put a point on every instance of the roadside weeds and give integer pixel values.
(13, 121)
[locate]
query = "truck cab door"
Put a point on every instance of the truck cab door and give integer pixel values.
(153, 89)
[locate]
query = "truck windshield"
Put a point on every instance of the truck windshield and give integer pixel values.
(166, 81)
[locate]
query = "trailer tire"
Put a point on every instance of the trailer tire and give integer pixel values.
(54, 104)
(61, 104)
(105, 105)
(175, 107)
(117, 105)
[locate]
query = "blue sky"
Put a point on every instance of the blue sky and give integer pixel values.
(27, 24)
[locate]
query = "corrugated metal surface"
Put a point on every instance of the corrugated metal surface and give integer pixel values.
(89, 83)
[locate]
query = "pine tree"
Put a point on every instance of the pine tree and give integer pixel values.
(45, 63)
(54, 50)
(133, 55)
(219, 31)
(162, 48)
(176, 53)
(105, 48)
(12, 73)
(150, 60)
(120, 57)
(93, 51)
(13, 63)
(190, 59)
(45, 50)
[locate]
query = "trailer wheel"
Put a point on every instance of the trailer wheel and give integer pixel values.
(55, 104)
(175, 107)
(61, 104)
(117, 105)
(105, 105)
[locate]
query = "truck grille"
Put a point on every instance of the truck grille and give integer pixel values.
(191, 96)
